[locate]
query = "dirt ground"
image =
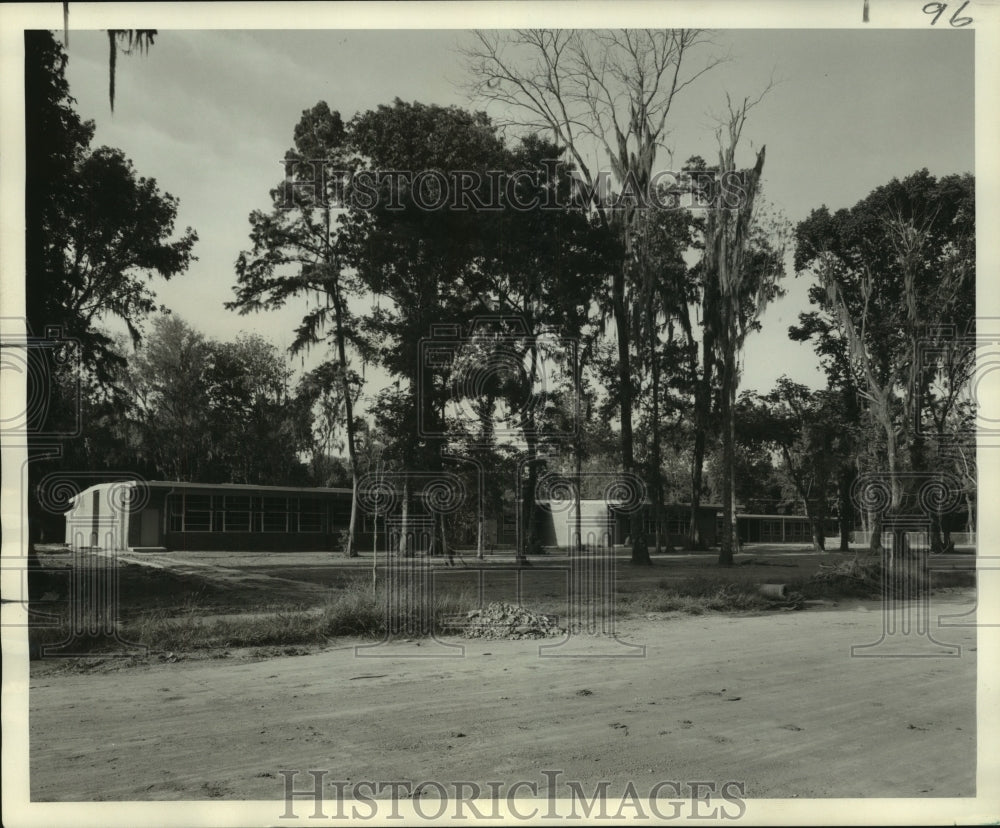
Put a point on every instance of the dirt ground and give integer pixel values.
(775, 701)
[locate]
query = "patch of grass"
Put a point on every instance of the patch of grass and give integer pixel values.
(699, 594)
(353, 611)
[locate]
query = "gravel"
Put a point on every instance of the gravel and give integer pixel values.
(503, 620)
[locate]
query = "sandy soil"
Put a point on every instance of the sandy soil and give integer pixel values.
(775, 701)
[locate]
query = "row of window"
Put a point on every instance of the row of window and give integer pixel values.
(245, 513)
(794, 530)
(671, 526)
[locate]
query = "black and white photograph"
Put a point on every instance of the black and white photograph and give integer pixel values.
(502, 412)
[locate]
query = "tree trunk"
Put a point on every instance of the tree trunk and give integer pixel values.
(936, 533)
(655, 463)
(694, 540)
(404, 530)
(845, 508)
(352, 456)
(819, 523)
(640, 552)
(727, 541)
(481, 532)
(441, 531)
(533, 545)
(526, 541)
(875, 537)
(702, 414)
(577, 542)
(819, 536)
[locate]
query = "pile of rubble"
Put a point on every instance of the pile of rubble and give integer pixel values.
(503, 620)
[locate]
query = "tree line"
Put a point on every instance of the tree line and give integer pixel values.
(599, 335)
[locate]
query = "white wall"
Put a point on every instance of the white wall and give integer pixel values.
(591, 512)
(110, 530)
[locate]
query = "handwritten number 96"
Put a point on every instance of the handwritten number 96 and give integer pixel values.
(937, 9)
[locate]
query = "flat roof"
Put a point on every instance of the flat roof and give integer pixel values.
(645, 503)
(241, 487)
(181, 484)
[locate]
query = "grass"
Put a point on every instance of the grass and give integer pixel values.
(352, 611)
(699, 594)
(189, 614)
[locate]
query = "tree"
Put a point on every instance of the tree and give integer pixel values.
(809, 431)
(615, 88)
(747, 276)
(96, 232)
(171, 390)
(539, 283)
(662, 295)
(895, 281)
(424, 265)
(199, 404)
(96, 235)
(295, 254)
(250, 405)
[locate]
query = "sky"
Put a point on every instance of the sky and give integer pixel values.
(210, 113)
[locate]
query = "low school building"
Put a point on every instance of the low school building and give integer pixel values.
(173, 515)
(600, 520)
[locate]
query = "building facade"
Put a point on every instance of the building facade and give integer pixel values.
(196, 516)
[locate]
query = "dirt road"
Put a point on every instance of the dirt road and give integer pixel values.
(775, 701)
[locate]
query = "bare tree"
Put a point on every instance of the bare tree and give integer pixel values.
(745, 287)
(605, 91)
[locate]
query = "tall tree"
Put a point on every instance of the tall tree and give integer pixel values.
(543, 275)
(251, 404)
(199, 403)
(420, 258)
(614, 89)
(295, 254)
(895, 288)
(96, 231)
(747, 279)
(662, 295)
(96, 235)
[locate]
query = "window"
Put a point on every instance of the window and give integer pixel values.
(237, 521)
(237, 513)
(197, 513)
(248, 513)
(310, 515)
(770, 530)
(677, 526)
(274, 522)
(175, 513)
(275, 514)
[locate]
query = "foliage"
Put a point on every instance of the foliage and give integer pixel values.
(295, 254)
(96, 231)
(809, 431)
(895, 320)
(199, 405)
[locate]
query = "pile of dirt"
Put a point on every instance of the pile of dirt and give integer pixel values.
(503, 620)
